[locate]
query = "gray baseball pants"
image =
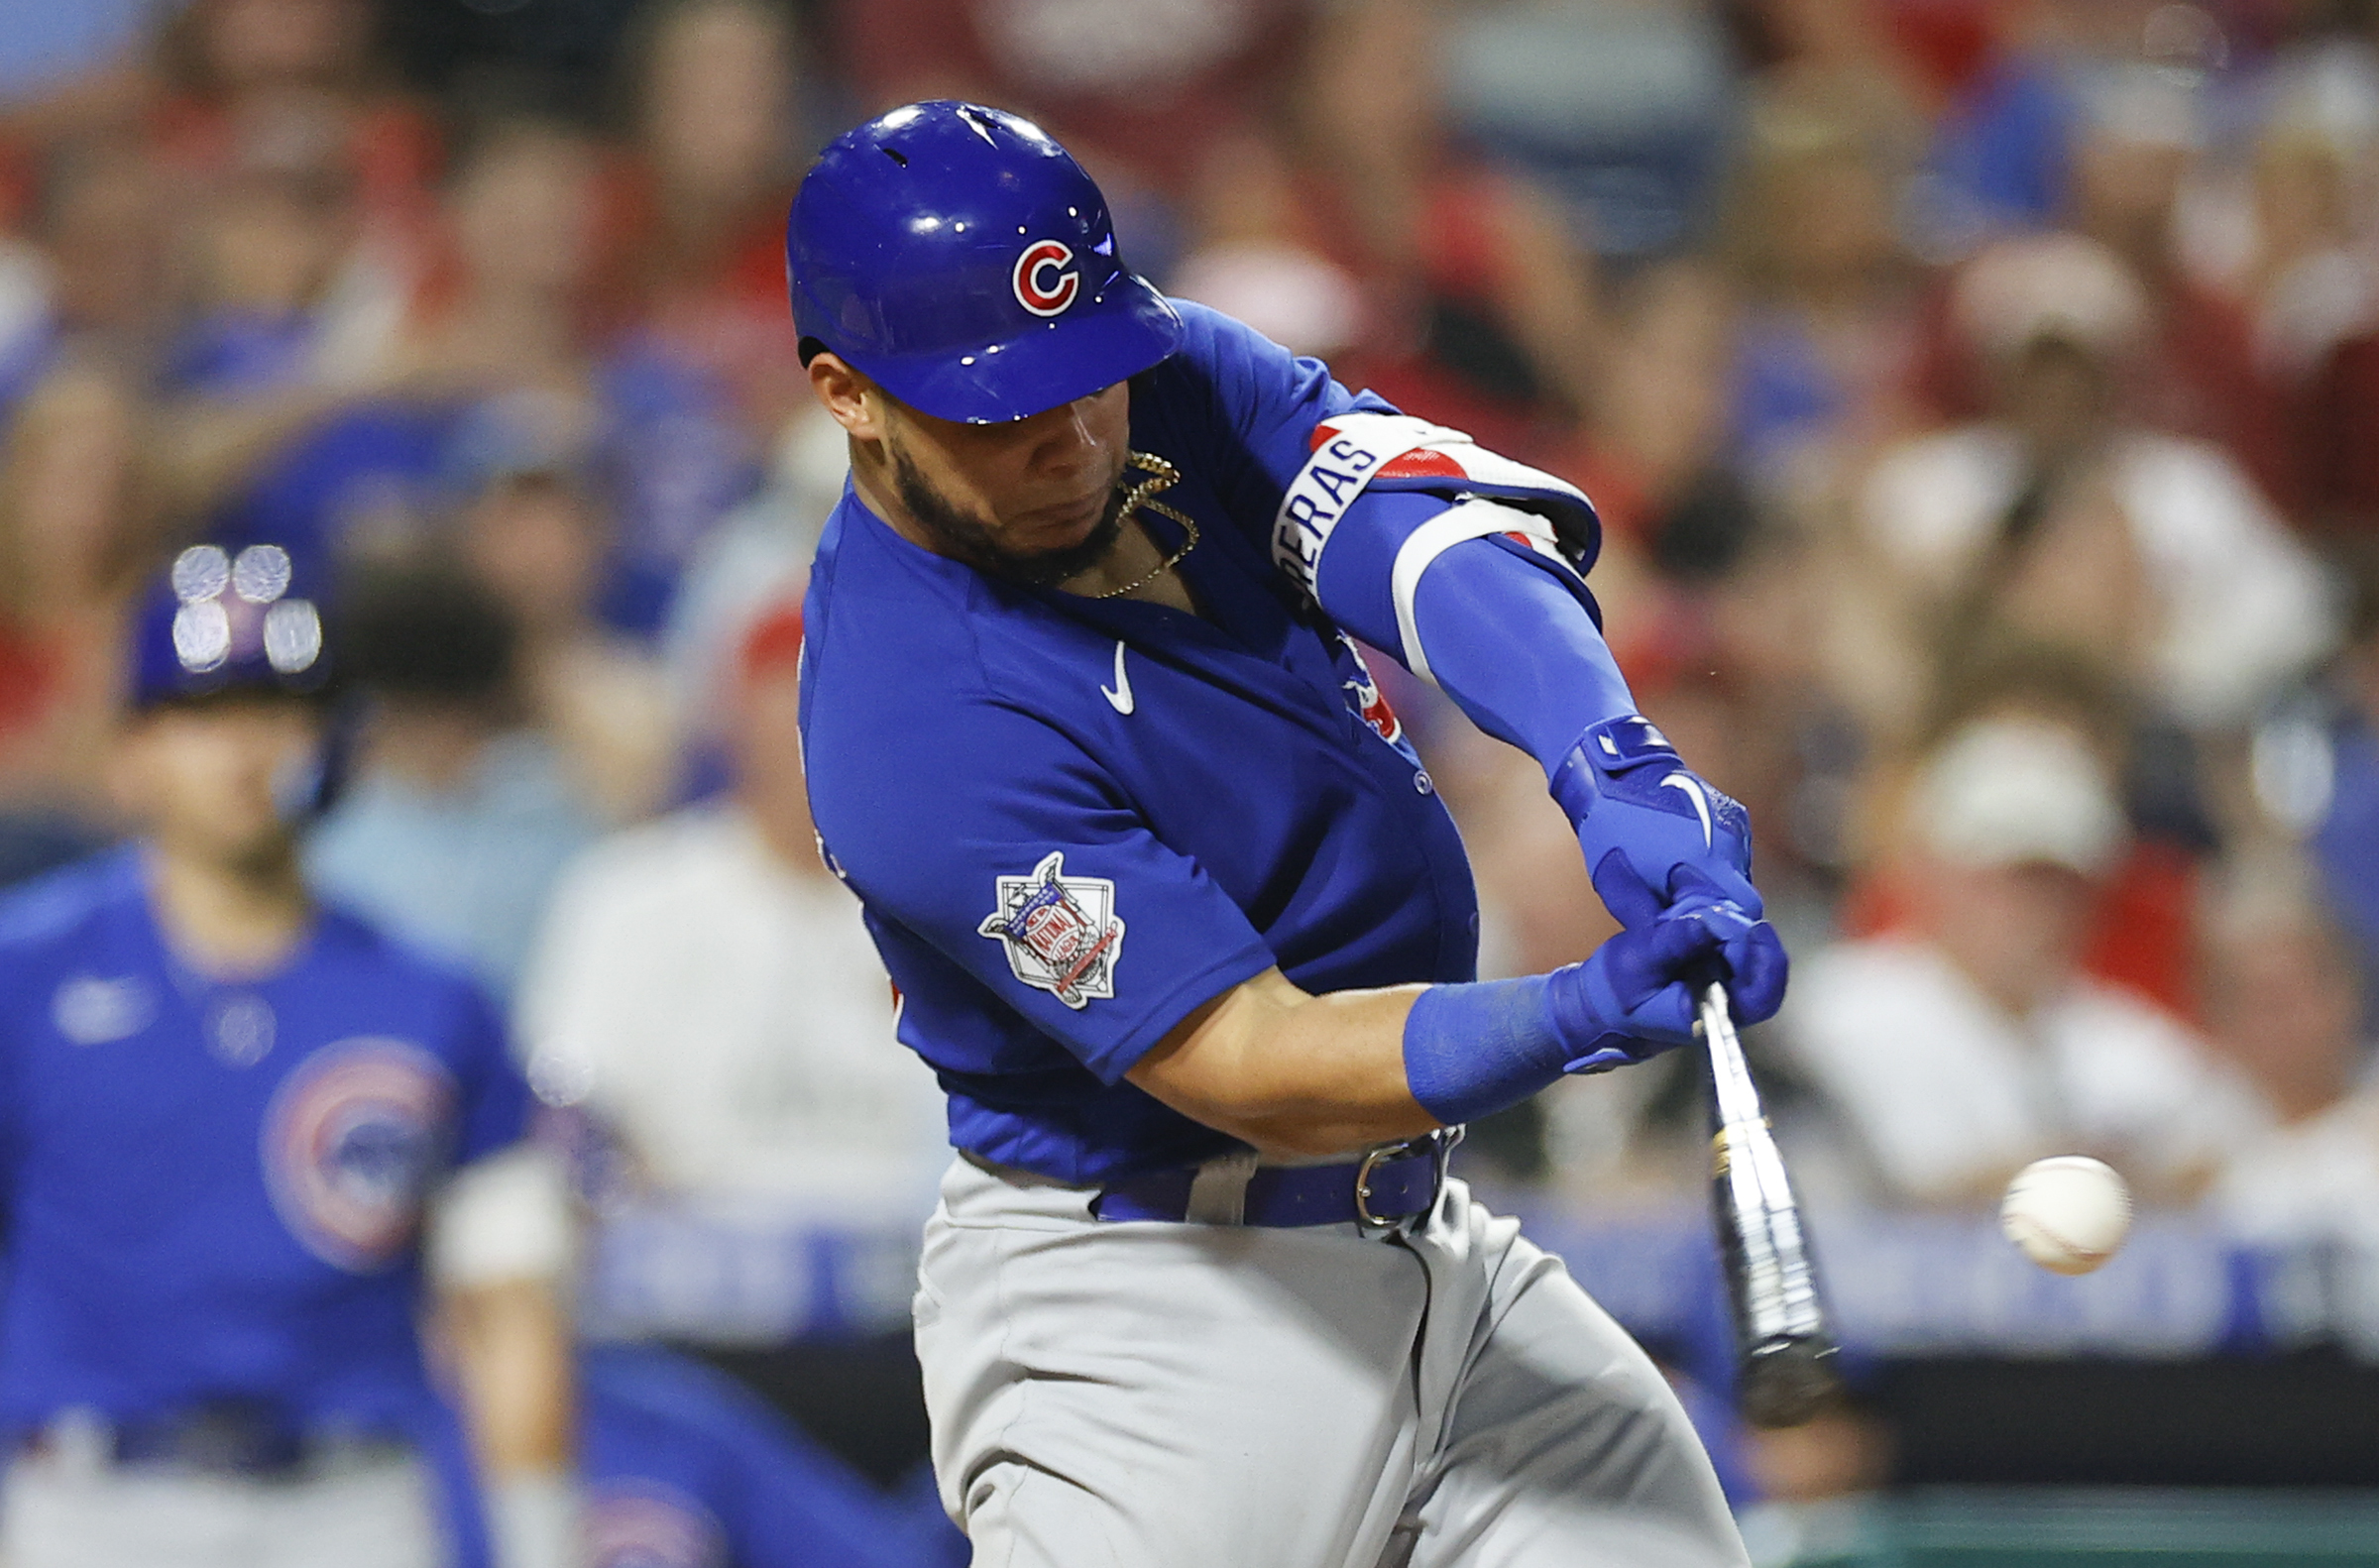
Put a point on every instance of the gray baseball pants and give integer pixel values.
(65, 1511)
(1148, 1394)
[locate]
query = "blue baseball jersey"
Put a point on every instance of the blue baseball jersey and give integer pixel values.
(210, 1190)
(1073, 821)
(685, 1468)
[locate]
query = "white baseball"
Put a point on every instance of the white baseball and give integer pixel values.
(2068, 1214)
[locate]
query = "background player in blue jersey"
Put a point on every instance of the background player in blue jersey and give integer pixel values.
(223, 1110)
(1177, 916)
(686, 1468)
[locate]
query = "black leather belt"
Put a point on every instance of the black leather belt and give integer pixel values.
(218, 1440)
(1389, 1187)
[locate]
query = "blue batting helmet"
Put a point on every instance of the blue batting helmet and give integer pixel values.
(227, 621)
(959, 258)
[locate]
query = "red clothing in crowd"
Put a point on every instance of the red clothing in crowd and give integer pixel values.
(2338, 435)
(2196, 376)
(394, 152)
(2142, 938)
(1114, 82)
(717, 304)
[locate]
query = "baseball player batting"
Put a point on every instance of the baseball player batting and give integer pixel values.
(1180, 922)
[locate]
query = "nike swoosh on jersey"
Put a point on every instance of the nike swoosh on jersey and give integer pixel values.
(1120, 697)
(1693, 792)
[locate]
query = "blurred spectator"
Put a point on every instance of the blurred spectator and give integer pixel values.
(1826, 345)
(269, 247)
(459, 818)
(2282, 1004)
(1136, 88)
(1999, 149)
(1251, 257)
(2344, 842)
(1970, 1043)
(519, 293)
(2309, 281)
(526, 306)
(2058, 514)
(76, 530)
(1659, 415)
(533, 530)
(2106, 116)
(2198, 375)
(704, 986)
(2003, 147)
(354, 462)
(757, 558)
(101, 219)
(299, 81)
(364, 465)
(1480, 308)
(704, 202)
(705, 989)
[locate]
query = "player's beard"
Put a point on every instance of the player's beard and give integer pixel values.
(964, 536)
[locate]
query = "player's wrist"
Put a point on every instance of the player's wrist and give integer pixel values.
(1472, 1049)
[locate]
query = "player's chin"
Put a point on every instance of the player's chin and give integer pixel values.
(1056, 529)
(1048, 562)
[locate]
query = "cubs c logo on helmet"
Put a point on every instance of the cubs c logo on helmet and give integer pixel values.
(351, 1141)
(1045, 283)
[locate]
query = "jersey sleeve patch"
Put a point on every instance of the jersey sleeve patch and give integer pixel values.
(1061, 932)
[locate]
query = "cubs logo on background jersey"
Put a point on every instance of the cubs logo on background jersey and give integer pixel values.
(351, 1141)
(644, 1524)
(1045, 281)
(1061, 932)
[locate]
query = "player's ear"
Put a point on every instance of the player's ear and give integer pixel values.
(855, 402)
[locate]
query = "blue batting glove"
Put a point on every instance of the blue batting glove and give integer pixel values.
(1636, 996)
(1643, 817)
(1752, 952)
(1471, 1049)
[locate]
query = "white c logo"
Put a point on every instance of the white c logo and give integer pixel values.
(1035, 288)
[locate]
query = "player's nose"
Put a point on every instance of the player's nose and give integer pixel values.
(1066, 440)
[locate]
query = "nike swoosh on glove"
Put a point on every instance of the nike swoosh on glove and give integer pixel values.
(1628, 792)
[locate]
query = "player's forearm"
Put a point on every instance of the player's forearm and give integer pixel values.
(1517, 652)
(1301, 1074)
(1290, 1072)
(512, 1352)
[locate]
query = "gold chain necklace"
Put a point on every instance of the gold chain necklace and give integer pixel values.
(1160, 476)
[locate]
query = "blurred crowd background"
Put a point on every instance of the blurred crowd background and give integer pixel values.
(1982, 399)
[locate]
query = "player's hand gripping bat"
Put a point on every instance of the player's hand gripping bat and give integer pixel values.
(1785, 1352)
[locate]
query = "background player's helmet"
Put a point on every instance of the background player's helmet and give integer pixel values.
(225, 620)
(962, 259)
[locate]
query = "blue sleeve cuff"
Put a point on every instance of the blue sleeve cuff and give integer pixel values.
(1473, 1049)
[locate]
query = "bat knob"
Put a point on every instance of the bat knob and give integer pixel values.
(1787, 1382)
